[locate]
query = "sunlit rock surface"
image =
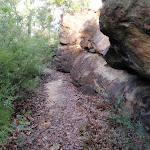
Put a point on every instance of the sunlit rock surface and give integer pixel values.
(127, 23)
(82, 29)
(80, 53)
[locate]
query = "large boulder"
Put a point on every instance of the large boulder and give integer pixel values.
(80, 53)
(91, 74)
(127, 24)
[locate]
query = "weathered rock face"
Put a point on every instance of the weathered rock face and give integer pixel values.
(82, 29)
(127, 24)
(82, 57)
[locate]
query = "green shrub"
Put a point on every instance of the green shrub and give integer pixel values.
(22, 60)
(5, 114)
(22, 63)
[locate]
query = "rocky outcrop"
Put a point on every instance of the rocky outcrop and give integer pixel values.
(82, 29)
(127, 24)
(80, 53)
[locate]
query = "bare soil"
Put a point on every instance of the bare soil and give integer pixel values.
(60, 113)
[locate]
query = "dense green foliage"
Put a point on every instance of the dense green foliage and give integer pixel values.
(22, 59)
(72, 5)
(22, 63)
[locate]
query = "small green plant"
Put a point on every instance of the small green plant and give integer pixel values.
(19, 126)
(14, 133)
(115, 130)
(29, 112)
(5, 114)
(128, 132)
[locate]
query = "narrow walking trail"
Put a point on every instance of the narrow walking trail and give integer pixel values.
(59, 113)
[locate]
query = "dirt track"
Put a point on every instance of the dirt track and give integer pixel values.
(57, 115)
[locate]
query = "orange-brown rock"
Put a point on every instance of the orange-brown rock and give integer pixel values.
(82, 29)
(127, 24)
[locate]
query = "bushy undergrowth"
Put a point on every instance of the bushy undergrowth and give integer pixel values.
(22, 59)
(22, 62)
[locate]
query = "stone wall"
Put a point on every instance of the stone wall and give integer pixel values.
(80, 53)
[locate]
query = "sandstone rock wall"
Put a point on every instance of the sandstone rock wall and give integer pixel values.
(80, 53)
(127, 23)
